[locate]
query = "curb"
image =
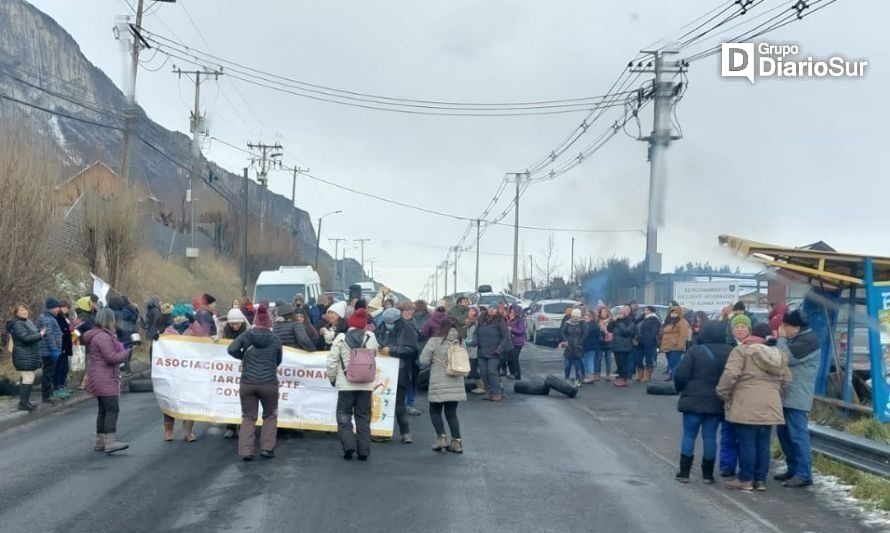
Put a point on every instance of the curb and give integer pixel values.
(20, 418)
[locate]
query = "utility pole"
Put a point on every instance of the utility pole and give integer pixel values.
(337, 265)
(436, 287)
(362, 243)
(518, 177)
(372, 267)
(318, 239)
(293, 192)
(445, 275)
(478, 224)
(245, 223)
(531, 269)
(572, 276)
(666, 91)
(456, 250)
(268, 157)
(197, 127)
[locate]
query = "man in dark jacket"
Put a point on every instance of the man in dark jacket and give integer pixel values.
(624, 331)
(696, 380)
(60, 377)
(150, 322)
(50, 346)
(647, 346)
(801, 346)
(398, 338)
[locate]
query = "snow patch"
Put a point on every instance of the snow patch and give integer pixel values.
(839, 497)
(56, 130)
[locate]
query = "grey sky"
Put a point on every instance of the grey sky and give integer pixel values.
(790, 161)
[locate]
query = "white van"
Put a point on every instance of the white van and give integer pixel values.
(285, 283)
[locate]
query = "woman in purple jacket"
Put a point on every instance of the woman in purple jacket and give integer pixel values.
(106, 354)
(516, 321)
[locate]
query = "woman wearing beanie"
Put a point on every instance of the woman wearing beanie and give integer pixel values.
(236, 325)
(445, 391)
(353, 399)
(106, 354)
(260, 351)
(574, 334)
(752, 385)
(334, 324)
(183, 316)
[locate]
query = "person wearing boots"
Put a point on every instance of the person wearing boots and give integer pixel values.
(183, 316)
(50, 346)
(106, 354)
(445, 391)
(469, 342)
(623, 331)
(574, 335)
(696, 380)
(398, 338)
(673, 338)
(25, 352)
(647, 350)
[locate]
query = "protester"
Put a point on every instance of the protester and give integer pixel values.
(516, 322)
(459, 311)
(60, 376)
(592, 345)
(150, 322)
(433, 324)
(26, 359)
(421, 314)
(493, 341)
(574, 334)
(248, 309)
(604, 318)
(205, 314)
(751, 386)
(353, 399)
(800, 344)
(319, 309)
(50, 346)
(695, 378)
(647, 346)
(183, 324)
(737, 309)
(289, 331)
(445, 391)
(674, 336)
(469, 342)
(729, 444)
(334, 323)
(407, 314)
(398, 338)
(259, 384)
(106, 354)
(623, 330)
(236, 325)
(776, 314)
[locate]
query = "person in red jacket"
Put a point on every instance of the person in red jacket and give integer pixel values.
(776, 312)
(106, 354)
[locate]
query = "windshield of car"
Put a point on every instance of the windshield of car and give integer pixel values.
(557, 308)
(274, 293)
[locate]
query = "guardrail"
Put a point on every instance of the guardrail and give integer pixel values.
(858, 452)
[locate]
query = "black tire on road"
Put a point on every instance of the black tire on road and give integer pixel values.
(563, 386)
(661, 389)
(535, 387)
(141, 385)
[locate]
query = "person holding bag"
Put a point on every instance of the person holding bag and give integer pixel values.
(446, 388)
(260, 351)
(353, 399)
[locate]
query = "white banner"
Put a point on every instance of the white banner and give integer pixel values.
(706, 295)
(196, 379)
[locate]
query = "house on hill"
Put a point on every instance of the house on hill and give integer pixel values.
(99, 178)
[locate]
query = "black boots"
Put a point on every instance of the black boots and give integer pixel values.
(685, 466)
(707, 471)
(25, 398)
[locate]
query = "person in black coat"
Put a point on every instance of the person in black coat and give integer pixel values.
(26, 357)
(696, 380)
(292, 333)
(397, 337)
(623, 331)
(60, 376)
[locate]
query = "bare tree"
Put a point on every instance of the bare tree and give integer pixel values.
(549, 263)
(120, 235)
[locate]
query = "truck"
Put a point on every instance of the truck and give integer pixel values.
(285, 283)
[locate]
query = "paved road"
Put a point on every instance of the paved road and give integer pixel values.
(601, 462)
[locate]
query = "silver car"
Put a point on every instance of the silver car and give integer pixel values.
(545, 319)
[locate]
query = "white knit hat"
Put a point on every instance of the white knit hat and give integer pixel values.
(339, 308)
(235, 315)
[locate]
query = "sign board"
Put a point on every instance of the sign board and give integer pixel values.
(879, 347)
(706, 295)
(196, 379)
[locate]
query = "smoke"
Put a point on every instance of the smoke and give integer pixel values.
(595, 288)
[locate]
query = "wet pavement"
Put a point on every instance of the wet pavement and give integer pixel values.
(601, 462)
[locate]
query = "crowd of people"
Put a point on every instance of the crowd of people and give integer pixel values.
(732, 373)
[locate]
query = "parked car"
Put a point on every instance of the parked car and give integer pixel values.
(545, 319)
(336, 295)
(660, 310)
(485, 296)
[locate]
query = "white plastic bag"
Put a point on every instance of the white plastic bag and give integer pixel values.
(78, 358)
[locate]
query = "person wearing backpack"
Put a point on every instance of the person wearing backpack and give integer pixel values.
(446, 386)
(353, 397)
(696, 380)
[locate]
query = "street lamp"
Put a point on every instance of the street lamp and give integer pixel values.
(318, 239)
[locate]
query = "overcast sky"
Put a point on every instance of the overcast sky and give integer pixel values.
(782, 161)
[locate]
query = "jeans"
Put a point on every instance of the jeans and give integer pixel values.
(673, 358)
(106, 420)
(450, 409)
(577, 364)
(46, 380)
(708, 423)
(603, 354)
(513, 363)
(474, 369)
(794, 437)
(488, 367)
(754, 451)
(401, 393)
(251, 396)
(588, 361)
(354, 404)
(621, 364)
(61, 374)
(647, 355)
(410, 395)
(729, 448)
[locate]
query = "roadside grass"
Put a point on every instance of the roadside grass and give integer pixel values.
(873, 491)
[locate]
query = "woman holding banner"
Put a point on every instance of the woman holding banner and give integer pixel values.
(260, 351)
(183, 316)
